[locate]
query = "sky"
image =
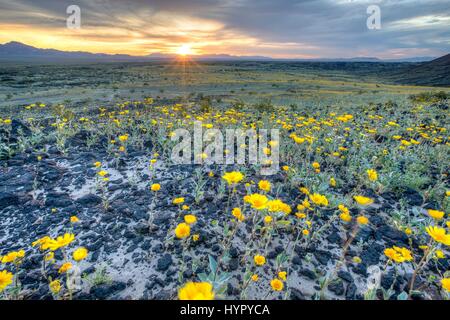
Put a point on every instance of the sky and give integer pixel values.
(275, 28)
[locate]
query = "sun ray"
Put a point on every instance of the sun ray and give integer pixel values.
(184, 50)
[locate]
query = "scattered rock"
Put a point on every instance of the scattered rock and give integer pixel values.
(322, 256)
(89, 200)
(337, 287)
(106, 290)
(8, 199)
(344, 275)
(164, 262)
(307, 273)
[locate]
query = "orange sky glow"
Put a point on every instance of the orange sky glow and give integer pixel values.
(285, 29)
(199, 37)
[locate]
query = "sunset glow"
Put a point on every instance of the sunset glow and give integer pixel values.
(170, 27)
(184, 50)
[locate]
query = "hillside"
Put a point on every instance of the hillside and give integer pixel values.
(432, 73)
(19, 52)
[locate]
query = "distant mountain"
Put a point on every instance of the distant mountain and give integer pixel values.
(206, 57)
(17, 51)
(355, 59)
(413, 59)
(443, 61)
(373, 59)
(225, 57)
(431, 73)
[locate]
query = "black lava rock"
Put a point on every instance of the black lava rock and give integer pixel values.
(322, 256)
(307, 273)
(344, 275)
(164, 262)
(297, 294)
(89, 200)
(371, 255)
(8, 199)
(105, 290)
(350, 293)
(337, 287)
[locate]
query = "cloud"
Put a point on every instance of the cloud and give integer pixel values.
(282, 28)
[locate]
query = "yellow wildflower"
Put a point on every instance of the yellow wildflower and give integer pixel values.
(446, 284)
(282, 275)
(440, 254)
(233, 177)
(439, 234)
(6, 278)
(61, 241)
(196, 291)
(362, 220)
(190, 219)
(259, 260)
(276, 284)
(304, 190)
(236, 212)
(264, 185)
(65, 267)
(182, 230)
(372, 175)
(319, 199)
(398, 254)
(267, 219)
(356, 260)
(257, 201)
(178, 200)
(332, 182)
(436, 214)
(344, 216)
(80, 254)
(13, 256)
(102, 173)
(363, 201)
(155, 187)
(55, 286)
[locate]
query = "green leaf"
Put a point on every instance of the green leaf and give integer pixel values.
(221, 290)
(203, 277)
(212, 264)
(226, 258)
(402, 296)
(224, 277)
(283, 223)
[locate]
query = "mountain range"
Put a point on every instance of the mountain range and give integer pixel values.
(17, 51)
(431, 73)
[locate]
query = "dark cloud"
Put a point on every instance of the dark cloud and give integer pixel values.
(311, 27)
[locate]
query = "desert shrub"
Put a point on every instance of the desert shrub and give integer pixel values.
(205, 104)
(429, 97)
(265, 106)
(238, 104)
(63, 112)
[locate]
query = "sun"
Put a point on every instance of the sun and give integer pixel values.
(184, 50)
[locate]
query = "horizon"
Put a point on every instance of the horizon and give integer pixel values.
(193, 56)
(320, 29)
